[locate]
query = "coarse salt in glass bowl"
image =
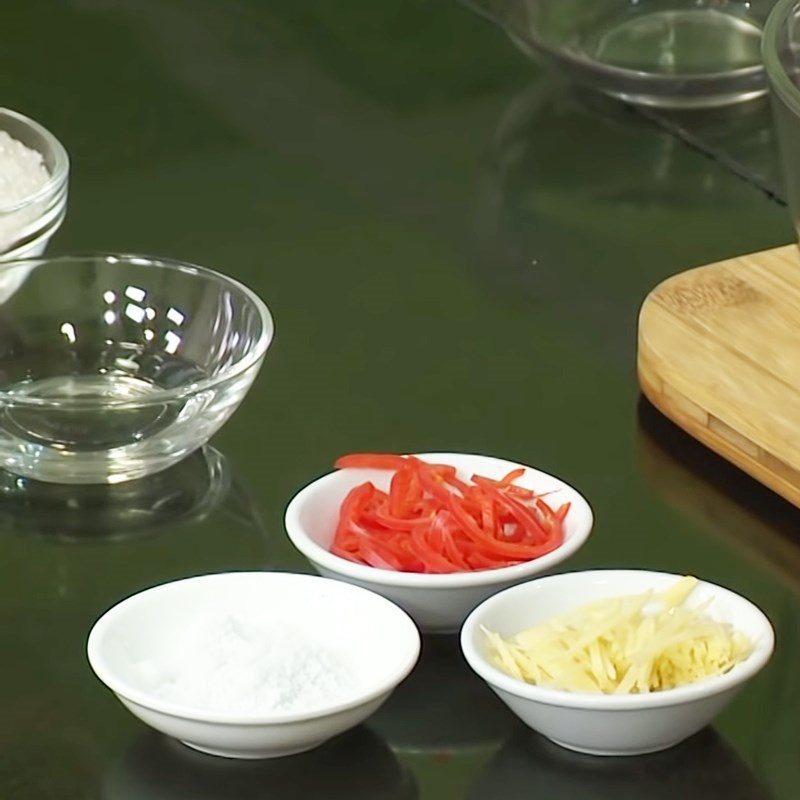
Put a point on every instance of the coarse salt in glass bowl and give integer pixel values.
(33, 186)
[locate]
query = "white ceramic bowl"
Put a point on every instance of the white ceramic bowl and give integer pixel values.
(379, 641)
(438, 603)
(603, 724)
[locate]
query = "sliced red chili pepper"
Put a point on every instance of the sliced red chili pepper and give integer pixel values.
(510, 477)
(517, 551)
(431, 521)
(371, 461)
(545, 510)
(404, 491)
(534, 527)
(379, 554)
(452, 551)
(354, 501)
(433, 561)
(505, 483)
(488, 516)
(432, 481)
(397, 523)
(449, 475)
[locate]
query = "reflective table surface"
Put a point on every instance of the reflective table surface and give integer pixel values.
(454, 244)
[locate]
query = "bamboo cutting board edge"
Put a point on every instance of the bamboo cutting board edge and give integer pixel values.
(706, 357)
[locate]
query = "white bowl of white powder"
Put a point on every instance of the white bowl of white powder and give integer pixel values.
(34, 172)
(253, 664)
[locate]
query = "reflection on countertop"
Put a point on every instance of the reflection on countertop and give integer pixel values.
(92, 513)
(442, 707)
(704, 767)
(549, 214)
(718, 497)
(355, 765)
(726, 504)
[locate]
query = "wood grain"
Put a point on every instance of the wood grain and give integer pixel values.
(719, 353)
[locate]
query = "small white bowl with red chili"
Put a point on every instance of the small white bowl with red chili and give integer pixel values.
(436, 533)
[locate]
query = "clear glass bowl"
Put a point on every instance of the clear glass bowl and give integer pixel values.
(27, 226)
(781, 53)
(113, 367)
(668, 53)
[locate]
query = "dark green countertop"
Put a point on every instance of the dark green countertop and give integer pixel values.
(454, 246)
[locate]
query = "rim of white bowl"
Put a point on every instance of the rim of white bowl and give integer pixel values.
(250, 359)
(707, 687)
(367, 692)
(60, 171)
(484, 577)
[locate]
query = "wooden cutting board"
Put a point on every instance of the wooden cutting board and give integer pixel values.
(719, 354)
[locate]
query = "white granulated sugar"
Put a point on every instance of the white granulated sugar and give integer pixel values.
(231, 664)
(22, 171)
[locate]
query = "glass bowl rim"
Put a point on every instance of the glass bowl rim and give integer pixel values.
(58, 176)
(241, 365)
(532, 39)
(776, 72)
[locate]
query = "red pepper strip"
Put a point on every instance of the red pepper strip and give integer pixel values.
(378, 554)
(396, 523)
(351, 506)
(440, 538)
(343, 553)
(404, 491)
(562, 511)
(545, 510)
(432, 481)
(519, 552)
(524, 514)
(371, 461)
(488, 516)
(458, 484)
(510, 477)
(538, 528)
(448, 474)
(513, 532)
(469, 546)
(443, 470)
(433, 561)
(451, 550)
(425, 508)
(510, 488)
(346, 540)
(411, 561)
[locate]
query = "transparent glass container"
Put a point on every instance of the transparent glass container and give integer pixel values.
(113, 367)
(781, 53)
(28, 225)
(91, 513)
(667, 53)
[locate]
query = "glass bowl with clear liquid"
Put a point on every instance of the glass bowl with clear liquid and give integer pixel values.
(113, 367)
(665, 53)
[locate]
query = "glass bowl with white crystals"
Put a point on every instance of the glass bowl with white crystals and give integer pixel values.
(113, 367)
(34, 175)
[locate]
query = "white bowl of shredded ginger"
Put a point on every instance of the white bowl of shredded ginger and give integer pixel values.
(253, 664)
(617, 662)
